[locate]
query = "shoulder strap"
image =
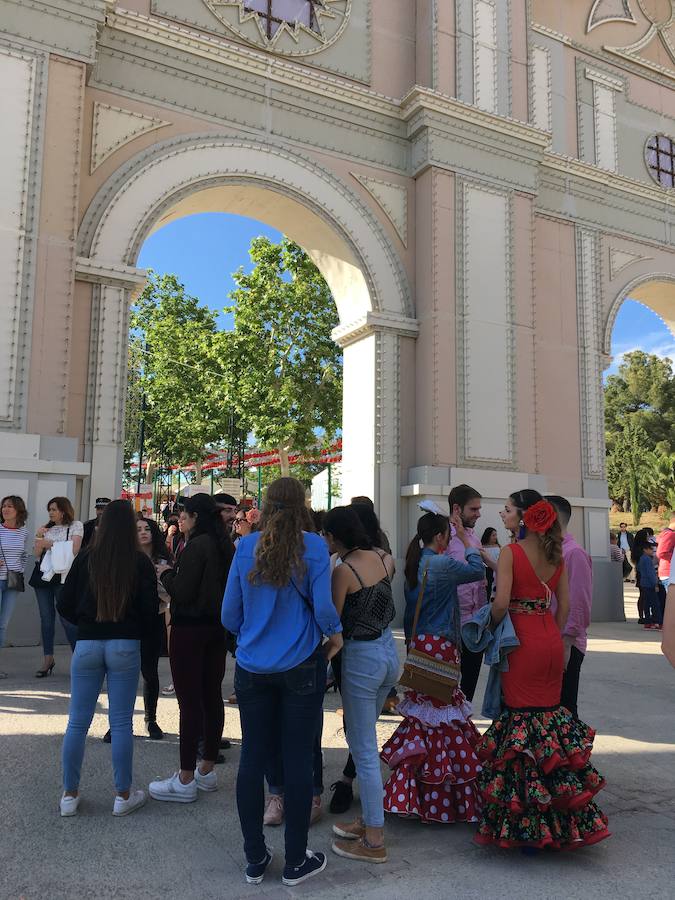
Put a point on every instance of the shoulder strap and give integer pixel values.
(384, 565)
(420, 596)
(349, 565)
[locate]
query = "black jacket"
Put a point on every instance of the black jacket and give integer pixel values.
(77, 603)
(197, 584)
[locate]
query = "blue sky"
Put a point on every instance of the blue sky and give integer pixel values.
(205, 249)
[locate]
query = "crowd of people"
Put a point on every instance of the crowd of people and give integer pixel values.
(297, 599)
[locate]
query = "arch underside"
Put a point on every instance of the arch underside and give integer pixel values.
(656, 292)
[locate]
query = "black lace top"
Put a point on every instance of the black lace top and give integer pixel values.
(368, 611)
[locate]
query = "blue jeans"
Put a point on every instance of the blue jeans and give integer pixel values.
(47, 598)
(369, 670)
(7, 603)
(120, 662)
(278, 708)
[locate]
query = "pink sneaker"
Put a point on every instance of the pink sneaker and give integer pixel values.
(274, 814)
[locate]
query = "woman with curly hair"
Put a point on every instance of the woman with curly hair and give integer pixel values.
(537, 781)
(278, 603)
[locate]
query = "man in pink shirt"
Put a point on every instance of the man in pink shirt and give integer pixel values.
(580, 578)
(664, 550)
(465, 502)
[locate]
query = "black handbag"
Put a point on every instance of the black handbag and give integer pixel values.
(14, 579)
(36, 580)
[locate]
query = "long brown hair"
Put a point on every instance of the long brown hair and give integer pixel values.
(551, 540)
(278, 556)
(112, 561)
(64, 506)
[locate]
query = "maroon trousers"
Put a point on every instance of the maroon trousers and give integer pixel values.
(197, 656)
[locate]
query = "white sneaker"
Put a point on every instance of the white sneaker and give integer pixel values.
(123, 807)
(174, 790)
(69, 805)
(208, 782)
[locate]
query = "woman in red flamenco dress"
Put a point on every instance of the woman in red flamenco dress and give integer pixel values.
(537, 782)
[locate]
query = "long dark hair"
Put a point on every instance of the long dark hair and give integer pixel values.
(158, 549)
(371, 524)
(209, 522)
(344, 524)
(428, 526)
(487, 534)
(639, 542)
(112, 562)
(64, 506)
(551, 540)
(280, 548)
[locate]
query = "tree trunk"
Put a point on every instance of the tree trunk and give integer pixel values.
(198, 471)
(283, 462)
(150, 468)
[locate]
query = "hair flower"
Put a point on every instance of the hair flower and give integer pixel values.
(540, 517)
(253, 516)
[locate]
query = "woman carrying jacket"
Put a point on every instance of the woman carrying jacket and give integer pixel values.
(111, 604)
(431, 753)
(197, 646)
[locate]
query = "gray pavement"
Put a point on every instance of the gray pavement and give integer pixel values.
(176, 851)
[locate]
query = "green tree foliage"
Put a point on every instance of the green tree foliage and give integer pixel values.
(284, 367)
(643, 390)
(640, 432)
(183, 374)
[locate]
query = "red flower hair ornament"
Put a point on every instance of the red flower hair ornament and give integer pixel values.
(540, 517)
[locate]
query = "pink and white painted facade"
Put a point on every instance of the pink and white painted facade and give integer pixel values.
(474, 178)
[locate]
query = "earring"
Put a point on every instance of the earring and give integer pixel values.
(522, 530)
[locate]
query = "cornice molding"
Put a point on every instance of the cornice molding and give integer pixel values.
(234, 55)
(97, 272)
(374, 323)
(424, 100)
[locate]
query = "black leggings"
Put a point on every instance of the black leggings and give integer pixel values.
(471, 663)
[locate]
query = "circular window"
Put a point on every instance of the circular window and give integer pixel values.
(660, 159)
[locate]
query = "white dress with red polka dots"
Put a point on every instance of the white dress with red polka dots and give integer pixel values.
(432, 754)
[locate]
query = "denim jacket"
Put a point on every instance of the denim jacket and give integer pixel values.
(497, 642)
(440, 608)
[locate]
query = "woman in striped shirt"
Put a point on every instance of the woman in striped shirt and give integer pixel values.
(13, 517)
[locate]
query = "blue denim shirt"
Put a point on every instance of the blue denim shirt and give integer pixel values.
(497, 642)
(278, 628)
(440, 608)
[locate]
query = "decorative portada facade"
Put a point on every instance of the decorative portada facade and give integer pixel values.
(482, 182)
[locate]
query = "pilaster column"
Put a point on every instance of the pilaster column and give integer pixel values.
(371, 433)
(113, 288)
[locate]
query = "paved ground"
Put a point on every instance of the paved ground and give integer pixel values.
(174, 851)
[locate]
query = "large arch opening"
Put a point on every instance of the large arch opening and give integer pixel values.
(639, 343)
(313, 208)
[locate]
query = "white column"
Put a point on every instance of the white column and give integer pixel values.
(371, 413)
(112, 292)
(604, 118)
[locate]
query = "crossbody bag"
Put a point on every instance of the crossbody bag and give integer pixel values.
(424, 673)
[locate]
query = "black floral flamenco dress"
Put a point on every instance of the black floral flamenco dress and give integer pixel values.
(537, 781)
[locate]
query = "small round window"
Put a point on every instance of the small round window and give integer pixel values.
(660, 159)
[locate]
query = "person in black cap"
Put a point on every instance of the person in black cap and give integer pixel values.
(227, 507)
(91, 526)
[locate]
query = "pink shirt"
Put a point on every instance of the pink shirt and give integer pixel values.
(471, 596)
(580, 578)
(664, 551)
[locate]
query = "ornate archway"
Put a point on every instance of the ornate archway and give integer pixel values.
(302, 199)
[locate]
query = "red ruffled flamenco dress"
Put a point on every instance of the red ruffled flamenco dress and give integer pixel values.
(432, 753)
(537, 781)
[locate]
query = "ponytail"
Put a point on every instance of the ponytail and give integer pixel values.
(428, 526)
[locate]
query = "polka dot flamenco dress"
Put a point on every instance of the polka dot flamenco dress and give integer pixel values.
(537, 781)
(432, 754)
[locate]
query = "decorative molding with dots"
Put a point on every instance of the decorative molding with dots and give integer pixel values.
(393, 198)
(114, 127)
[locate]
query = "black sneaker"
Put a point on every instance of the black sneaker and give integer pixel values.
(106, 737)
(155, 733)
(342, 798)
(219, 760)
(313, 864)
(225, 744)
(255, 872)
